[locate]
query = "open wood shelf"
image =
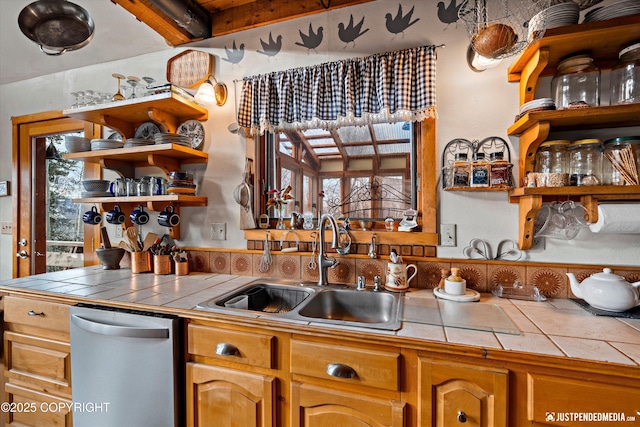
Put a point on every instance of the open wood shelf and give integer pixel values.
(477, 189)
(167, 109)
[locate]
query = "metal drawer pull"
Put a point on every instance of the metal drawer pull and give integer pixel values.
(462, 417)
(33, 313)
(224, 349)
(340, 370)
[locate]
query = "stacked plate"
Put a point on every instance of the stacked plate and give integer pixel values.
(89, 194)
(616, 10)
(181, 183)
(105, 144)
(541, 104)
(559, 15)
(172, 138)
(137, 142)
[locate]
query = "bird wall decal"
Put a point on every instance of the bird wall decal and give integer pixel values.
(311, 40)
(396, 25)
(235, 54)
(448, 15)
(351, 32)
(272, 48)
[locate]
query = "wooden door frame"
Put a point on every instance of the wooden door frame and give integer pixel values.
(24, 129)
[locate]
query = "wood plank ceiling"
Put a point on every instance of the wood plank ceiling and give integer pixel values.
(228, 16)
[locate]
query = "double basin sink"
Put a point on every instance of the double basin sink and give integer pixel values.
(332, 304)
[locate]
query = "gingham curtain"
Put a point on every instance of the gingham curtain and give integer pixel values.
(388, 87)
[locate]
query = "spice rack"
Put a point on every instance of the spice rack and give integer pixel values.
(167, 109)
(603, 40)
(461, 145)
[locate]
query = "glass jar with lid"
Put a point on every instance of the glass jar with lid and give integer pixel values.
(552, 164)
(625, 76)
(585, 162)
(480, 171)
(614, 148)
(499, 170)
(460, 171)
(577, 83)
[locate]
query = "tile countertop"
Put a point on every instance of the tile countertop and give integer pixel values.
(554, 327)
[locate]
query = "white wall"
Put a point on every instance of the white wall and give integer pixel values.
(470, 105)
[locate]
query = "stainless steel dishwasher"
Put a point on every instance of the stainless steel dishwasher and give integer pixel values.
(124, 367)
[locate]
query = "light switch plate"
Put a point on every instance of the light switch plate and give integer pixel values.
(6, 227)
(447, 235)
(218, 231)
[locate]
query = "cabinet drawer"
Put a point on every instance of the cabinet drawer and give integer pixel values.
(373, 368)
(554, 400)
(249, 348)
(40, 314)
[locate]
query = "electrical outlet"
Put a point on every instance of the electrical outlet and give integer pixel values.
(218, 231)
(538, 244)
(447, 235)
(7, 227)
(119, 232)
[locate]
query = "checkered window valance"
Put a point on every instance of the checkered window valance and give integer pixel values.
(388, 87)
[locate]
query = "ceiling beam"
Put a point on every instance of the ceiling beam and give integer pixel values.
(265, 12)
(147, 13)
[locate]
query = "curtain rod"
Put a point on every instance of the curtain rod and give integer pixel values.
(440, 46)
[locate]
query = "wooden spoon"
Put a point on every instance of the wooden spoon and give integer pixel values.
(131, 233)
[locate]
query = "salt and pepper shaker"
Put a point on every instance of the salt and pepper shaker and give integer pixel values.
(361, 283)
(377, 284)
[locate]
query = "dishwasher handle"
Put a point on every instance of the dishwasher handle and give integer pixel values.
(117, 330)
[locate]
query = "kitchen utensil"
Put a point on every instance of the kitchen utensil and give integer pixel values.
(110, 257)
(241, 194)
(148, 241)
(312, 262)
(105, 237)
(606, 291)
(56, 25)
(266, 260)
(131, 235)
(477, 249)
(284, 237)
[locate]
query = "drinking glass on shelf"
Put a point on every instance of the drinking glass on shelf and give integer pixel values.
(133, 81)
(149, 81)
(75, 101)
(118, 95)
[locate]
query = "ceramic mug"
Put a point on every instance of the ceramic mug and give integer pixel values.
(397, 276)
(168, 218)
(139, 216)
(118, 188)
(92, 217)
(115, 215)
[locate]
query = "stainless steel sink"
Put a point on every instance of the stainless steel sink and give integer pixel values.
(311, 303)
(350, 306)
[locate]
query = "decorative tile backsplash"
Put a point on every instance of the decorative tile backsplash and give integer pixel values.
(482, 276)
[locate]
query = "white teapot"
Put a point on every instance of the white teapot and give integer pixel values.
(606, 291)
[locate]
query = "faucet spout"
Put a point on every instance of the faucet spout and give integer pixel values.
(323, 261)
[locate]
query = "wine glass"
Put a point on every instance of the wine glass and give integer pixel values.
(118, 96)
(150, 81)
(133, 82)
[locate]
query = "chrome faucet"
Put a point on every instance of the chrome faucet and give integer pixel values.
(323, 260)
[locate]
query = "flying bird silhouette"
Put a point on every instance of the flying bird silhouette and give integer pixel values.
(399, 23)
(234, 55)
(272, 48)
(448, 15)
(351, 32)
(311, 40)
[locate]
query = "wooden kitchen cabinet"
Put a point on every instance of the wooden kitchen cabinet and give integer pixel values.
(37, 362)
(226, 397)
(459, 394)
(232, 378)
(603, 40)
(334, 383)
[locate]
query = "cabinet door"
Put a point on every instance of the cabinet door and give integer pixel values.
(224, 397)
(30, 408)
(452, 394)
(319, 407)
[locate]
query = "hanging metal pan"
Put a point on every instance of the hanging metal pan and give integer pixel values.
(56, 25)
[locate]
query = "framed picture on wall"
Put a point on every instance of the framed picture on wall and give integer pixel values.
(4, 188)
